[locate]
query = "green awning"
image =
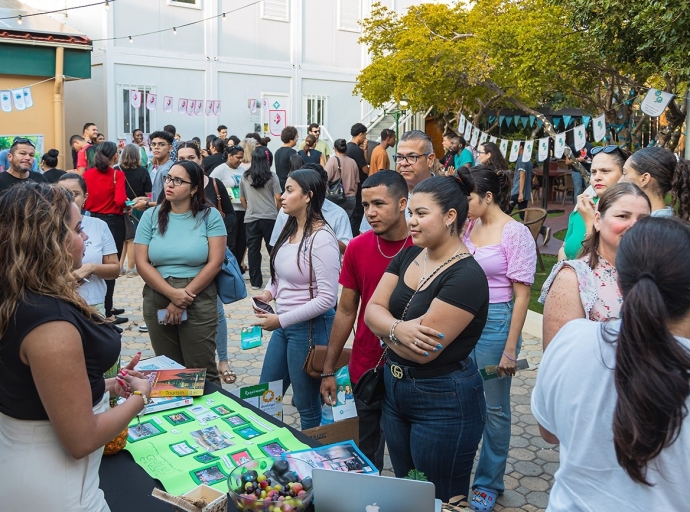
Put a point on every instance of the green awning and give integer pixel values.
(19, 59)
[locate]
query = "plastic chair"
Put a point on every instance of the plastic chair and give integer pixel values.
(564, 186)
(534, 219)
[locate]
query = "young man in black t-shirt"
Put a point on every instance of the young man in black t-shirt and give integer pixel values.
(289, 138)
(359, 135)
(21, 159)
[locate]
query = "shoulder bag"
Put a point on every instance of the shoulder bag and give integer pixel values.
(316, 356)
(335, 191)
(229, 281)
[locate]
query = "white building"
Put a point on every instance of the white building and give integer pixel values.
(301, 55)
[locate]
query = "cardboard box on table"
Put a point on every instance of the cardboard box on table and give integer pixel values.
(336, 432)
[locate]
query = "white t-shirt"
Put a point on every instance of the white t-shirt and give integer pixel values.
(231, 178)
(99, 244)
(574, 398)
(333, 214)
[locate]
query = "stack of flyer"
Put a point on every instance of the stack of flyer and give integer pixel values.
(168, 402)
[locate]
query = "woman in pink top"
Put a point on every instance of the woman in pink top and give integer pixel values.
(506, 251)
(305, 264)
(588, 286)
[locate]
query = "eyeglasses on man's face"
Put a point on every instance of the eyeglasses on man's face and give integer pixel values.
(410, 159)
(177, 182)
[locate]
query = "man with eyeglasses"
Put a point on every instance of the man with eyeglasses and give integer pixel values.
(161, 144)
(414, 161)
(20, 161)
(321, 145)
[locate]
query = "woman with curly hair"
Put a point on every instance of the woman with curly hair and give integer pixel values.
(657, 172)
(54, 402)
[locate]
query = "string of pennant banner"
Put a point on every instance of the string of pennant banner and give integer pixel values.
(654, 104)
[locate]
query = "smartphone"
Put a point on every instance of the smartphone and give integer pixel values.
(259, 304)
(130, 202)
(163, 312)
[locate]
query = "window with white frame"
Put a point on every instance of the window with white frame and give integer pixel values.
(135, 118)
(315, 105)
(349, 14)
(277, 10)
(194, 4)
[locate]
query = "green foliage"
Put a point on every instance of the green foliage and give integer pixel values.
(416, 475)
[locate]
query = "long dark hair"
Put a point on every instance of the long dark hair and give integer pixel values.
(296, 162)
(312, 184)
(449, 192)
(487, 179)
(670, 175)
(259, 171)
(590, 246)
(652, 368)
(105, 152)
(198, 202)
(496, 159)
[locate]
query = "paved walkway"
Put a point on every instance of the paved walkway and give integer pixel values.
(531, 462)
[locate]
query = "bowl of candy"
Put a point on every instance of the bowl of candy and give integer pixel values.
(269, 484)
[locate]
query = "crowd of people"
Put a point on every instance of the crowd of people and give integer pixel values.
(435, 270)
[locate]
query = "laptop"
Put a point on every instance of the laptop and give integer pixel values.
(339, 491)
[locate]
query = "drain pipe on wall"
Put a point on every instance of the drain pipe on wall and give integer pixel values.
(59, 105)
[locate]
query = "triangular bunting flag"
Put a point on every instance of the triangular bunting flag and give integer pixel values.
(523, 120)
(531, 121)
(540, 123)
(500, 120)
(516, 120)
(585, 120)
(509, 120)
(492, 119)
(566, 121)
(556, 122)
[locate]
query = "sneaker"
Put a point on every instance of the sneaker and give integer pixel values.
(143, 328)
(117, 319)
(547, 236)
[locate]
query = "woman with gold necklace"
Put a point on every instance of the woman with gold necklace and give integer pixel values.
(429, 309)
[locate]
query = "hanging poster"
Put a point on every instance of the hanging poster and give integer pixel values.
(543, 149)
(504, 147)
(493, 139)
(461, 125)
(559, 146)
(190, 107)
(484, 137)
(475, 137)
(168, 104)
(209, 107)
(216, 107)
(6, 101)
(277, 121)
(514, 151)
(655, 102)
(527, 152)
(135, 98)
(468, 132)
(599, 127)
(182, 106)
(199, 108)
(28, 98)
(18, 97)
(151, 101)
(579, 135)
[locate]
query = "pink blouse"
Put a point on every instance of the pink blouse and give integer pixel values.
(512, 260)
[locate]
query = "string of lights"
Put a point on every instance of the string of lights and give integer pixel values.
(19, 18)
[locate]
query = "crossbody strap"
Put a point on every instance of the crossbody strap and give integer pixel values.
(220, 206)
(340, 171)
(311, 289)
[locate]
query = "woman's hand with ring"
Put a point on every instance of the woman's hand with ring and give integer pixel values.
(417, 337)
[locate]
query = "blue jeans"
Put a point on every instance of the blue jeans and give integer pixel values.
(284, 360)
(434, 425)
(496, 440)
(222, 334)
(578, 184)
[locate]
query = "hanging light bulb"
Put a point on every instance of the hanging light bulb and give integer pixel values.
(130, 39)
(19, 19)
(223, 16)
(174, 31)
(107, 5)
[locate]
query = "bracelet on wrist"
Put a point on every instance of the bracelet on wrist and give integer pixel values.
(142, 395)
(324, 375)
(504, 353)
(391, 334)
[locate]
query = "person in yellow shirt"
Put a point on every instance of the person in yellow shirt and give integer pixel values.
(379, 157)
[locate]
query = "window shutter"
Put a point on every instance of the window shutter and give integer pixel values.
(349, 14)
(275, 10)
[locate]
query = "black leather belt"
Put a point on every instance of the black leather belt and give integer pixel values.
(407, 372)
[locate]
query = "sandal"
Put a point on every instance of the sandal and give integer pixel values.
(228, 376)
(483, 499)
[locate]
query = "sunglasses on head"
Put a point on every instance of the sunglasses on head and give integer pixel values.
(23, 140)
(607, 149)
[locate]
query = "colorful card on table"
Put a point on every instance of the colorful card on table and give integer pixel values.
(178, 382)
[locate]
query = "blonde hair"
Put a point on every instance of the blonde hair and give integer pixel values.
(249, 145)
(34, 229)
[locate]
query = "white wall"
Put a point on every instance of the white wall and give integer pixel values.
(84, 104)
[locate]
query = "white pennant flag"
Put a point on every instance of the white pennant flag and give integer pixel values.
(135, 98)
(209, 107)
(190, 107)
(182, 106)
(6, 101)
(527, 152)
(655, 102)
(461, 125)
(599, 127)
(216, 107)
(514, 151)
(468, 132)
(167, 104)
(151, 101)
(504, 147)
(475, 137)
(559, 146)
(543, 149)
(493, 139)
(28, 98)
(18, 97)
(484, 137)
(199, 108)
(580, 139)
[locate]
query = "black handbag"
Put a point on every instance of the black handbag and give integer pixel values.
(335, 191)
(370, 388)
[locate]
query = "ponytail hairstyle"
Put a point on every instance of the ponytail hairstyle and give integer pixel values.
(590, 246)
(260, 171)
(50, 158)
(105, 152)
(309, 142)
(488, 179)
(449, 192)
(199, 202)
(313, 185)
(496, 159)
(652, 370)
